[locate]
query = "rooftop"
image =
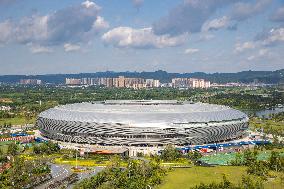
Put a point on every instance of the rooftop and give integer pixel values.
(139, 113)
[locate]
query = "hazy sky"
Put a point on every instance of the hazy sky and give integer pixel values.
(72, 36)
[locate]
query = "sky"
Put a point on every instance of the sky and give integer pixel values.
(73, 36)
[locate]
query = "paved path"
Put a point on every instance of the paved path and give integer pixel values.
(87, 174)
(58, 172)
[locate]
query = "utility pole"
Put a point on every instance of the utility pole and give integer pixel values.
(76, 160)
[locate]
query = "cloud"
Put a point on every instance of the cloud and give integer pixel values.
(140, 38)
(188, 16)
(245, 10)
(5, 29)
(89, 4)
(32, 29)
(262, 53)
(74, 24)
(192, 16)
(278, 15)
(240, 47)
(216, 24)
(71, 47)
(205, 36)
(100, 24)
(191, 51)
(37, 49)
(272, 37)
(262, 40)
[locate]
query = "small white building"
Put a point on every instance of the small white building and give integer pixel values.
(5, 108)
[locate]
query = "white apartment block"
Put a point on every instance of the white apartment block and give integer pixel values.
(190, 83)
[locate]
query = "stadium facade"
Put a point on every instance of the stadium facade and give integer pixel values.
(142, 123)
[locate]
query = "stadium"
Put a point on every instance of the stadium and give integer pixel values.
(142, 123)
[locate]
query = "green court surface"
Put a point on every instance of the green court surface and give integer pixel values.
(226, 158)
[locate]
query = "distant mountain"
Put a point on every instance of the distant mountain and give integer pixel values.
(269, 77)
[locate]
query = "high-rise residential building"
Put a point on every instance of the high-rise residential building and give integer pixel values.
(120, 82)
(94, 81)
(135, 83)
(156, 83)
(207, 84)
(102, 81)
(72, 81)
(190, 83)
(149, 83)
(86, 81)
(30, 81)
(109, 82)
(180, 82)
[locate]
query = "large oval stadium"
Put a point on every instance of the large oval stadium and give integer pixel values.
(142, 123)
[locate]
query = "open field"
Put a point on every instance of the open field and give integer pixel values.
(16, 121)
(184, 178)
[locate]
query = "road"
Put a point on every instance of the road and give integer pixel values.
(87, 174)
(58, 172)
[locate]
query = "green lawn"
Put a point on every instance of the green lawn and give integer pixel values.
(16, 121)
(184, 178)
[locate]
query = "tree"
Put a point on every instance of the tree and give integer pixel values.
(137, 174)
(258, 168)
(2, 156)
(46, 148)
(238, 161)
(12, 149)
(194, 156)
(250, 157)
(1, 152)
(170, 153)
(276, 162)
(249, 183)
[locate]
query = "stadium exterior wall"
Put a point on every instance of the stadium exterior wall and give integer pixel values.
(116, 134)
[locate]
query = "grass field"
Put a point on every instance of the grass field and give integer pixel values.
(184, 178)
(16, 121)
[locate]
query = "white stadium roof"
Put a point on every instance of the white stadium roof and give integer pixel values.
(138, 113)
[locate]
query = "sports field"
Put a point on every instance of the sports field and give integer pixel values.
(184, 178)
(226, 158)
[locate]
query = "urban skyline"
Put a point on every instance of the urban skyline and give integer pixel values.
(128, 82)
